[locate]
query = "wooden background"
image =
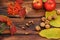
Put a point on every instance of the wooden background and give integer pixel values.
(32, 14)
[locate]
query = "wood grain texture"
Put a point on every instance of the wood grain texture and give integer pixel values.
(25, 37)
(29, 33)
(19, 24)
(32, 14)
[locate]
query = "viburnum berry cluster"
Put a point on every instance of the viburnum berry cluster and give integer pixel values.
(16, 8)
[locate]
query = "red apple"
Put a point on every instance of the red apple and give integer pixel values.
(37, 4)
(50, 5)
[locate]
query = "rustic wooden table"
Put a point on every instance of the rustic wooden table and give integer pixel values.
(31, 15)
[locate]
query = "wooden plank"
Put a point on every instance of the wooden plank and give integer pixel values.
(24, 37)
(18, 20)
(30, 1)
(35, 16)
(19, 24)
(21, 32)
(30, 11)
(57, 1)
(2, 1)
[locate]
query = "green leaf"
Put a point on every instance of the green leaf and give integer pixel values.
(53, 33)
(3, 24)
(2, 28)
(51, 13)
(44, 0)
(56, 22)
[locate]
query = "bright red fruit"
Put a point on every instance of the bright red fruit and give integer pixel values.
(37, 4)
(10, 9)
(13, 8)
(50, 5)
